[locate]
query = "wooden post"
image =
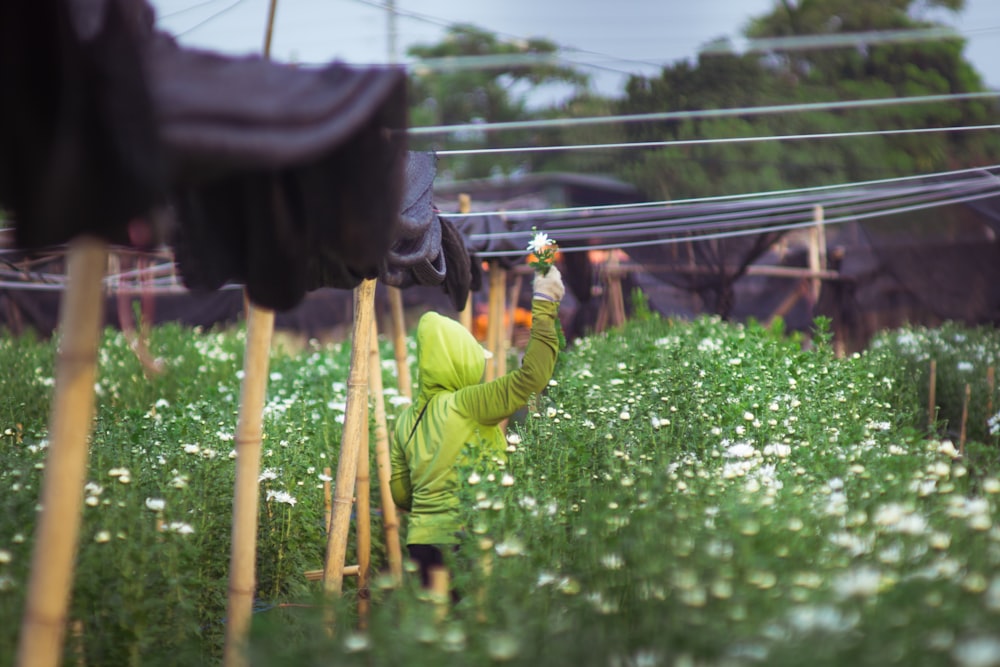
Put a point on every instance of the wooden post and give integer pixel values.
(43, 626)
(249, 427)
(965, 419)
(363, 519)
(466, 315)
(383, 465)
(932, 399)
(354, 423)
(399, 342)
(817, 251)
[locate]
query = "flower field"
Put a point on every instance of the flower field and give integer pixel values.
(683, 494)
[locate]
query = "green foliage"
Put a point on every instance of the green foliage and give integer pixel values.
(442, 94)
(684, 492)
(723, 80)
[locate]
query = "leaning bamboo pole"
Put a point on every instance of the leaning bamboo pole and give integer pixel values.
(43, 626)
(390, 520)
(347, 464)
(363, 520)
(931, 399)
(243, 551)
(398, 314)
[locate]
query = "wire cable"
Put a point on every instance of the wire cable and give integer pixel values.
(557, 123)
(720, 140)
(624, 228)
(749, 232)
(720, 198)
(210, 17)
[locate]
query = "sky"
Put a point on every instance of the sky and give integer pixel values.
(614, 38)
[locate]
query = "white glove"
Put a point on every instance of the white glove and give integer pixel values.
(549, 286)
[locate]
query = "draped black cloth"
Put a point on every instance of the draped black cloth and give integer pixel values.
(427, 249)
(283, 178)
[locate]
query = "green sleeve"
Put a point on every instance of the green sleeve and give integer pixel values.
(399, 483)
(492, 402)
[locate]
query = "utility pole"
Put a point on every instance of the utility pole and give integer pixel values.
(390, 8)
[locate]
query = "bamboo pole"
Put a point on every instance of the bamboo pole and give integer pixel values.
(327, 500)
(466, 316)
(363, 525)
(990, 388)
(440, 582)
(243, 552)
(269, 32)
(932, 399)
(390, 520)
(817, 251)
(354, 423)
(43, 626)
(399, 342)
(965, 419)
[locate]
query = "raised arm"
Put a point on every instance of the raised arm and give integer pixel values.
(492, 402)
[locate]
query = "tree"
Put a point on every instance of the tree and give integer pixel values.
(473, 76)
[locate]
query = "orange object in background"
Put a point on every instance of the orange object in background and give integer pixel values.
(522, 318)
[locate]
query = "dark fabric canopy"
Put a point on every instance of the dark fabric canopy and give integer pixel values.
(283, 178)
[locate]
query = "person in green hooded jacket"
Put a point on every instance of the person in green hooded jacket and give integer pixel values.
(455, 409)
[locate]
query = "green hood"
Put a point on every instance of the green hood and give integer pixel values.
(450, 357)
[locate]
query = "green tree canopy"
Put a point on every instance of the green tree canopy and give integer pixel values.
(475, 76)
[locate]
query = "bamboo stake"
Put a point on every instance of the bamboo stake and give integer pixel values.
(243, 552)
(390, 520)
(399, 342)
(354, 423)
(440, 582)
(491, 328)
(363, 525)
(965, 418)
(932, 389)
(466, 316)
(327, 500)
(317, 575)
(817, 251)
(79, 652)
(990, 387)
(43, 625)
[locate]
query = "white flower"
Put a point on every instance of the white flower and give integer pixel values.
(474, 478)
(507, 480)
(5, 556)
(102, 536)
(281, 497)
(539, 242)
(859, 582)
(510, 547)
(978, 652)
(268, 473)
(156, 504)
(179, 527)
(513, 438)
(191, 449)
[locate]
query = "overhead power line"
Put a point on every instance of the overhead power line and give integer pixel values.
(210, 17)
(719, 140)
(550, 123)
(721, 198)
(756, 230)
